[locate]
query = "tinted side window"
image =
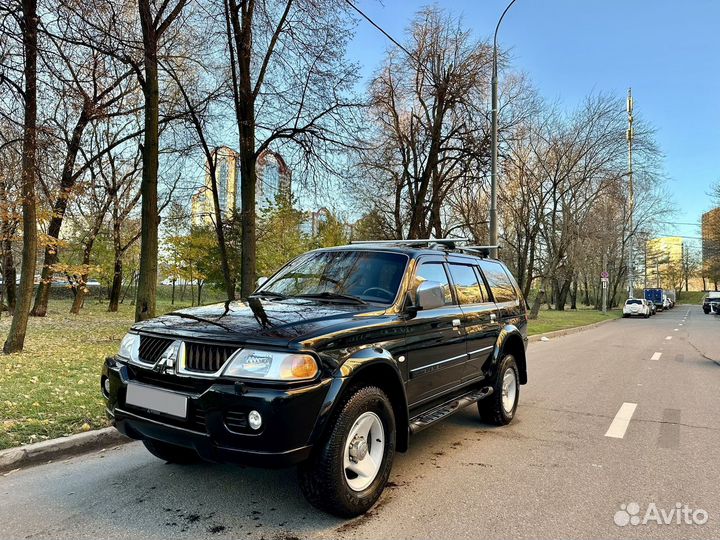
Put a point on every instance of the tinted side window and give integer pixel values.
(500, 285)
(434, 272)
(466, 284)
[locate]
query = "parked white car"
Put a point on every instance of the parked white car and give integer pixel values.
(636, 307)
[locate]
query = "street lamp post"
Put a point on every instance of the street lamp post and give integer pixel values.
(494, 142)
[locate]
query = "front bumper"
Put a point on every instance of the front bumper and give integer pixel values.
(216, 425)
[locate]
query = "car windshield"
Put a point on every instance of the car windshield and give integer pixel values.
(633, 302)
(340, 276)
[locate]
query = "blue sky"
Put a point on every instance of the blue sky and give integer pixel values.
(668, 52)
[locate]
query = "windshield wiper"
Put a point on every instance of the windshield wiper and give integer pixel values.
(272, 294)
(327, 295)
(198, 319)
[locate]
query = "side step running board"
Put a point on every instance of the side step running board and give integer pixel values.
(428, 418)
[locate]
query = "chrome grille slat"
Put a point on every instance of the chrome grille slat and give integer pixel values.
(152, 347)
(206, 358)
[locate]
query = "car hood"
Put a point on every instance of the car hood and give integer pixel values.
(263, 321)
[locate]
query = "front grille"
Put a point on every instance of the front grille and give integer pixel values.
(205, 358)
(151, 348)
(236, 421)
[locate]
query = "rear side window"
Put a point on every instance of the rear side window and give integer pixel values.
(434, 272)
(629, 302)
(499, 282)
(467, 286)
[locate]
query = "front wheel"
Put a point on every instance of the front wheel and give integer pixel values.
(347, 473)
(499, 408)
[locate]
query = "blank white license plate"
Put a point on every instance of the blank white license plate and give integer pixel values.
(157, 400)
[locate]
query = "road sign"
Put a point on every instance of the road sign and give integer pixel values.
(604, 279)
(604, 275)
(605, 284)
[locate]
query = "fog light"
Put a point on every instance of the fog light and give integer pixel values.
(106, 386)
(255, 420)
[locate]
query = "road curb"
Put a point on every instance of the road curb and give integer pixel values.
(42, 452)
(568, 331)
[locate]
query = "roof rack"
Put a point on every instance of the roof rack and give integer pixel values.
(432, 243)
(413, 242)
(442, 243)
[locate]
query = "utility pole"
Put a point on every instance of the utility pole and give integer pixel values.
(630, 136)
(604, 284)
(645, 260)
(494, 143)
(657, 272)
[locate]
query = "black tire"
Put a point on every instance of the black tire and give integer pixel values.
(322, 477)
(172, 453)
(646, 316)
(491, 408)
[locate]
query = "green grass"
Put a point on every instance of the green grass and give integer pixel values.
(550, 321)
(52, 388)
(691, 297)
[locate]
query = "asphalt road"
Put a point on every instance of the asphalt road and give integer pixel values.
(555, 472)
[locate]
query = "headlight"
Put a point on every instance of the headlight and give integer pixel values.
(271, 366)
(130, 347)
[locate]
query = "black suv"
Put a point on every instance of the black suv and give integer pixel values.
(331, 365)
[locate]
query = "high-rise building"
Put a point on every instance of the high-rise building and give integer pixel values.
(273, 177)
(711, 235)
(663, 259)
(711, 244)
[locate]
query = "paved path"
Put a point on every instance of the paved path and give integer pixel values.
(614, 415)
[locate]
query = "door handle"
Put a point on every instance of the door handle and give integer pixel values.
(493, 317)
(456, 323)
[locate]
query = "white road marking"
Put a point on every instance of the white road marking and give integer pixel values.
(620, 423)
(656, 356)
(675, 329)
(668, 338)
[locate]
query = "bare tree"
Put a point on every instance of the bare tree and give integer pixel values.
(100, 88)
(28, 22)
(291, 87)
(431, 126)
(198, 116)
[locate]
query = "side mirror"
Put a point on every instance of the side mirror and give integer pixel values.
(261, 280)
(429, 295)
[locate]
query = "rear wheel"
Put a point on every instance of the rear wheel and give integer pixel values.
(499, 408)
(349, 470)
(172, 453)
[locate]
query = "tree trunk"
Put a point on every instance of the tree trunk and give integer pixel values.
(220, 231)
(9, 274)
(535, 310)
(172, 297)
(67, 182)
(147, 282)
(116, 287)
(16, 336)
(245, 116)
(573, 295)
(562, 295)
